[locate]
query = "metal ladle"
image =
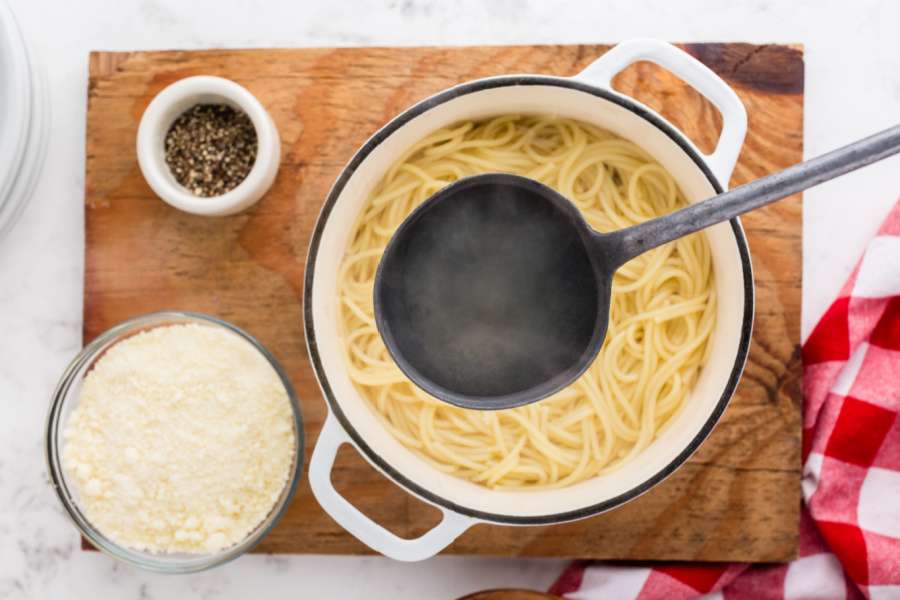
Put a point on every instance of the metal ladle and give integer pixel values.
(495, 292)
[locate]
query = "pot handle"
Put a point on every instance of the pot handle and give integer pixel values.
(699, 76)
(331, 438)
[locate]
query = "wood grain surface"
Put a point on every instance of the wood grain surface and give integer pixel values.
(737, 499)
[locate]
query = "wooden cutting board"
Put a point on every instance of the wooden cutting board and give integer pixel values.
(737, 499)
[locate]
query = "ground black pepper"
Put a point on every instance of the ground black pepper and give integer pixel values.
(211, 148)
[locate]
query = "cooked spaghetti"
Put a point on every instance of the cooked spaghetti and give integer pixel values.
(661, 316)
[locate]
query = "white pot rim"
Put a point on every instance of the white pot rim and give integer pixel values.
(384, 133)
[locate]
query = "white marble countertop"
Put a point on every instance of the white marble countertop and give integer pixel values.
(852, 89)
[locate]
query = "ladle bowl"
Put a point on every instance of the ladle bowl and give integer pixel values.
(493, 293)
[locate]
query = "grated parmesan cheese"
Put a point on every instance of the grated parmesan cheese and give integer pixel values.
(182, 440)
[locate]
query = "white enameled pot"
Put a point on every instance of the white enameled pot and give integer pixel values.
(587, 96)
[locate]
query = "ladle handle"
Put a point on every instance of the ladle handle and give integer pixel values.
(636, 240)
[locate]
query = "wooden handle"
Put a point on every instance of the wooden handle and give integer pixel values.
(510, 594)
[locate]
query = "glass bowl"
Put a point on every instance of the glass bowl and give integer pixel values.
(64, 400)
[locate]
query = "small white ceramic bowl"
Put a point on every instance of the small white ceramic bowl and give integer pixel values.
(167, 106)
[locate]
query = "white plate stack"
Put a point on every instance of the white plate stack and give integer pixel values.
(24, 120)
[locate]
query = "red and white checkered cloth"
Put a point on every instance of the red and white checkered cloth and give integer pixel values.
(850, 526)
